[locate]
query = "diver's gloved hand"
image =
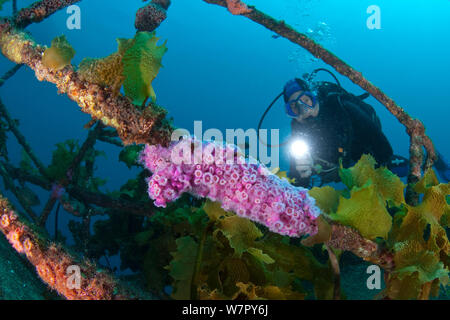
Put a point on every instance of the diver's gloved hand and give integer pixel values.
(304, 166)
(399, 165)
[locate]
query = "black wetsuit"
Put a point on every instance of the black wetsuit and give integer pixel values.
(345, 127)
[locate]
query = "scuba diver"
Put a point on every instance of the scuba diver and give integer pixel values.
(330, 125)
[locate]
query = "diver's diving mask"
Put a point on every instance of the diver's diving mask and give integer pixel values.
(305, 100)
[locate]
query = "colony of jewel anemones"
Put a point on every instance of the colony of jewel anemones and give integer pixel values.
(221, 173)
